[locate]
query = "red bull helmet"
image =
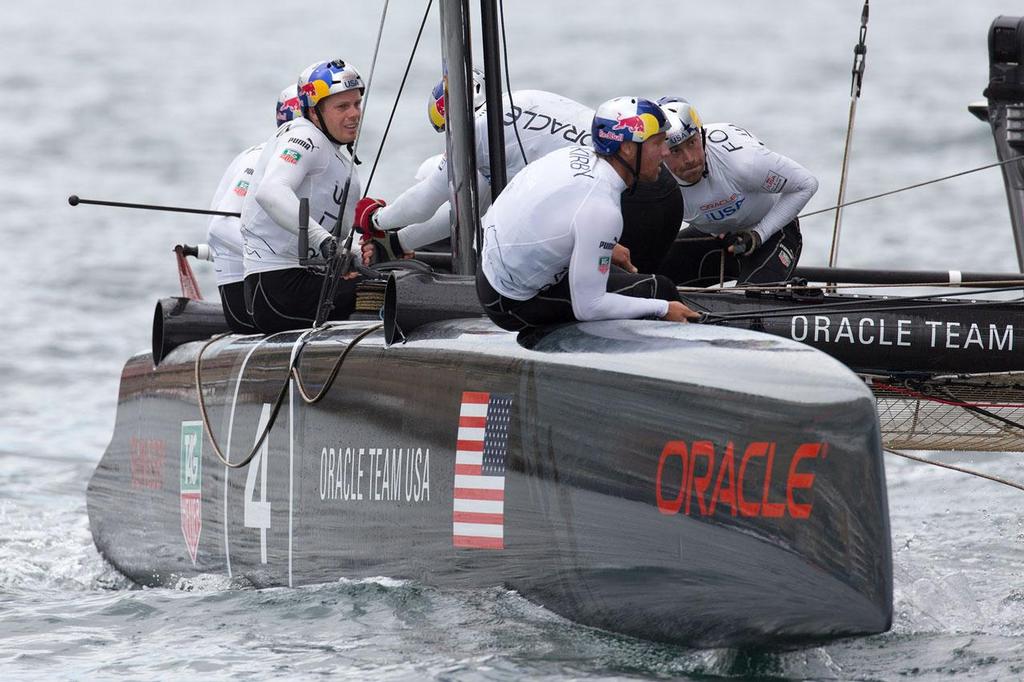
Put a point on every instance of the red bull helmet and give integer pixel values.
(288, 106)
(626, 119)
(683, 119)
(323, 79)
(435, 107)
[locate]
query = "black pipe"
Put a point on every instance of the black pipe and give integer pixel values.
(180, 320)
(945, 277)
(492, 80)
(75, 200)
(414, 299)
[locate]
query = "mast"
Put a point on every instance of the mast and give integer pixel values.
(495, 109)
(1005, 94)
(460, 140)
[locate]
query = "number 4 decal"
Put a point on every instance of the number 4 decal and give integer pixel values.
(257, 512)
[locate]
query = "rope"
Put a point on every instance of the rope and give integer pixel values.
(962, 470)
(293, 371)
(508, 81)
(206, 417)
(398, 96)
(334, 371)
(909, 187)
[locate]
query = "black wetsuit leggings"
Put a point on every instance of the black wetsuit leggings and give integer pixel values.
(699, 263)
(286, 299)
(553, 305)
(232, 300)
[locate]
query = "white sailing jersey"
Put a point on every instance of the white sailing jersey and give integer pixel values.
(545, 122)
(558, 218)
(224, 234)
(298, 161)
(748, 186)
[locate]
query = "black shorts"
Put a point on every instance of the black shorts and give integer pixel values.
(699, 263)
(232, 300)
(554, 304)
(287, 299)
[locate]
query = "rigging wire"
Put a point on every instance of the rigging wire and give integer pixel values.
(860, 51)
(952, 467)
(340, 262)
(909, 187)
(398, 97)
(508, 81)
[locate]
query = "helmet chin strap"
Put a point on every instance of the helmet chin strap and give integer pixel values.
(635, 170)
(323, 125)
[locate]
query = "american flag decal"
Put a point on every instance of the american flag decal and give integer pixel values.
(478, 518)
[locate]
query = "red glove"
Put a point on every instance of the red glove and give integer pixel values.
(365, 208)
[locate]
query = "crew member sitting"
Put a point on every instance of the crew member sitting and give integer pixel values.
(551, 237)
(224, 234)
(740, 196)
(305, 158)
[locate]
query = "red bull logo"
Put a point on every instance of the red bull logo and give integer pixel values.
(641, 126)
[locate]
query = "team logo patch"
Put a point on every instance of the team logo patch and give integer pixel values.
(242, 188)
(290, 156)
(478, 509)
(192, 485)
(603, 264)
(774, 182)
(785, 257)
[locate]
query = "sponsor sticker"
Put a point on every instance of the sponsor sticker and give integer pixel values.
(773, 182)
(785, 257)
(603, 264)
(242, 188)
(290, 156)
(478, 508)
(146, 457)
(192, 485)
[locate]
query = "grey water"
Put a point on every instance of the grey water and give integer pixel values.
(147, 102)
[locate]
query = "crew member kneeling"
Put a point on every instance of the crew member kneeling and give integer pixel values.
(305, 158)
(550, 247)
(739, 195)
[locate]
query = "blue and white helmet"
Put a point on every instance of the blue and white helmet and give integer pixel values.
(683, 119)
(323, 79)
(288, 106)
(626, 119)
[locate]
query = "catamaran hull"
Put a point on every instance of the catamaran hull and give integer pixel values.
(706, 486)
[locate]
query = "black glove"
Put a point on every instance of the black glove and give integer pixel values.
(328, 247)
(388, 248)
(746, 243)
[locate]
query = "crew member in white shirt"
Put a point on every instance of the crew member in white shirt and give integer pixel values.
(309, 157)
(225, 232)
(550, 249)
(738, 194)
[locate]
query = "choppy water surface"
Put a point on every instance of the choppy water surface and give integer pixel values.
(138, 102)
